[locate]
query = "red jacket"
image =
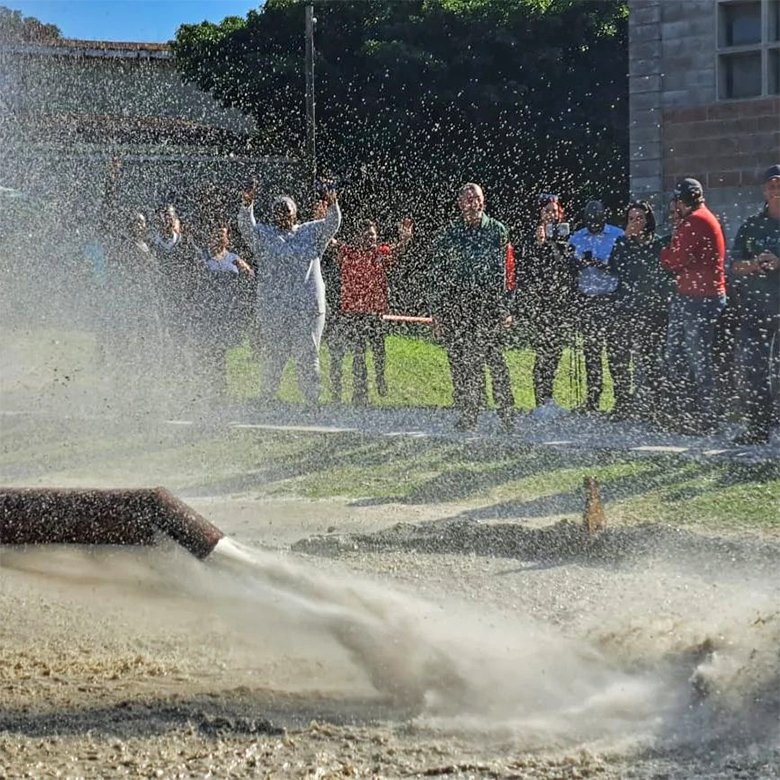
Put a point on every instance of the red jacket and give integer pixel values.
(364, 279)
(696, 255)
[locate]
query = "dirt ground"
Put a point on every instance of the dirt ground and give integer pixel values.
(330, 639)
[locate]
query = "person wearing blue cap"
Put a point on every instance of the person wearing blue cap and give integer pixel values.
(755, 268)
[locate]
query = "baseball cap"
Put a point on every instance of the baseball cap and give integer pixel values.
(688, 190)
(772, 172)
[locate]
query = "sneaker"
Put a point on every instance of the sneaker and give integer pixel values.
(507, 420)
(549, 410)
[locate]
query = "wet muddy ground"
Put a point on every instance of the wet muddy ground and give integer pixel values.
(389, 641)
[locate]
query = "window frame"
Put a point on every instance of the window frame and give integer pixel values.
(766, 47)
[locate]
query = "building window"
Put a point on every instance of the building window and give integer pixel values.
(748, 48)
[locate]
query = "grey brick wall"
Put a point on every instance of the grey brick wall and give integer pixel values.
(645, 98)
(677, 125)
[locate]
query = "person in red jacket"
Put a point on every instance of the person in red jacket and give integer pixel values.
(363, 270)
(696, 257)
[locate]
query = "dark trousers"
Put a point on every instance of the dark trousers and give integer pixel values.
(335, 338)
(362, 331)
(551, 331)
(757, 331)
(639, 340)
(471, 347)
(597, 324)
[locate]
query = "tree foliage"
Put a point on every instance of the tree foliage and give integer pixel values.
(16, 27)
(416, 96)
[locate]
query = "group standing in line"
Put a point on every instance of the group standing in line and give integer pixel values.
(646, 306)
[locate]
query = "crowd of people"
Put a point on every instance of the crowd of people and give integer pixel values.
(650, 308)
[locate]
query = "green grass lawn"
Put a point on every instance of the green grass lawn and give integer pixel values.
(418, 375)
(496, 478)
(503, 477)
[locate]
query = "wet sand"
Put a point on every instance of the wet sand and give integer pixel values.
(366, 653)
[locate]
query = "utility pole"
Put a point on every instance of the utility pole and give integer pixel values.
(311, 120)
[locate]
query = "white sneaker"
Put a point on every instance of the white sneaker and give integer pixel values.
(549, 410)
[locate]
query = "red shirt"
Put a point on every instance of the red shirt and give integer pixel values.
(696, 255)
(364, 279)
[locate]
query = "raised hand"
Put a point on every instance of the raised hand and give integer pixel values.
(249, 193)
(405, 230)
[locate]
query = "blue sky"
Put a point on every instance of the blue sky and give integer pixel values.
(128, 20)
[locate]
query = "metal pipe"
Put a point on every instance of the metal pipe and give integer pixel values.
(121, 517)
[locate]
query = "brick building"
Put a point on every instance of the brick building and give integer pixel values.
(704, 84)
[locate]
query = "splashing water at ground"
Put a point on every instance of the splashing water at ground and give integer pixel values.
(618, 659)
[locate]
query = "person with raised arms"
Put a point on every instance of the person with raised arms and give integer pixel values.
(290, 303)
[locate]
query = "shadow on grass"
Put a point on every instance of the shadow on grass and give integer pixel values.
(540, 481)
(523, 480)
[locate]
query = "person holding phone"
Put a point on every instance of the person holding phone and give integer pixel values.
(545, 299)
(755, 269)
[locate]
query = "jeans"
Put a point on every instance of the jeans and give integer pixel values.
(757, 330)
(690, 356)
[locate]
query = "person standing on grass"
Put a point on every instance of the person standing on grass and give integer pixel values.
(696, 257)
(363, 300)
(290, 288)
(755, 269)
(642, 312)
(220, 320)
(180, 278)
(545, 298)
(595, 301)
(470, 295)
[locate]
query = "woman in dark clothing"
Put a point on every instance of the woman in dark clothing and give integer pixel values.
(221, 317)
(642, 303)
(546, 294)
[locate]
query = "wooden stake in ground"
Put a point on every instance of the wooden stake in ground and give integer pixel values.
(594, 519)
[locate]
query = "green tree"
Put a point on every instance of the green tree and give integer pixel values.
(417, 96)
(16, 27)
